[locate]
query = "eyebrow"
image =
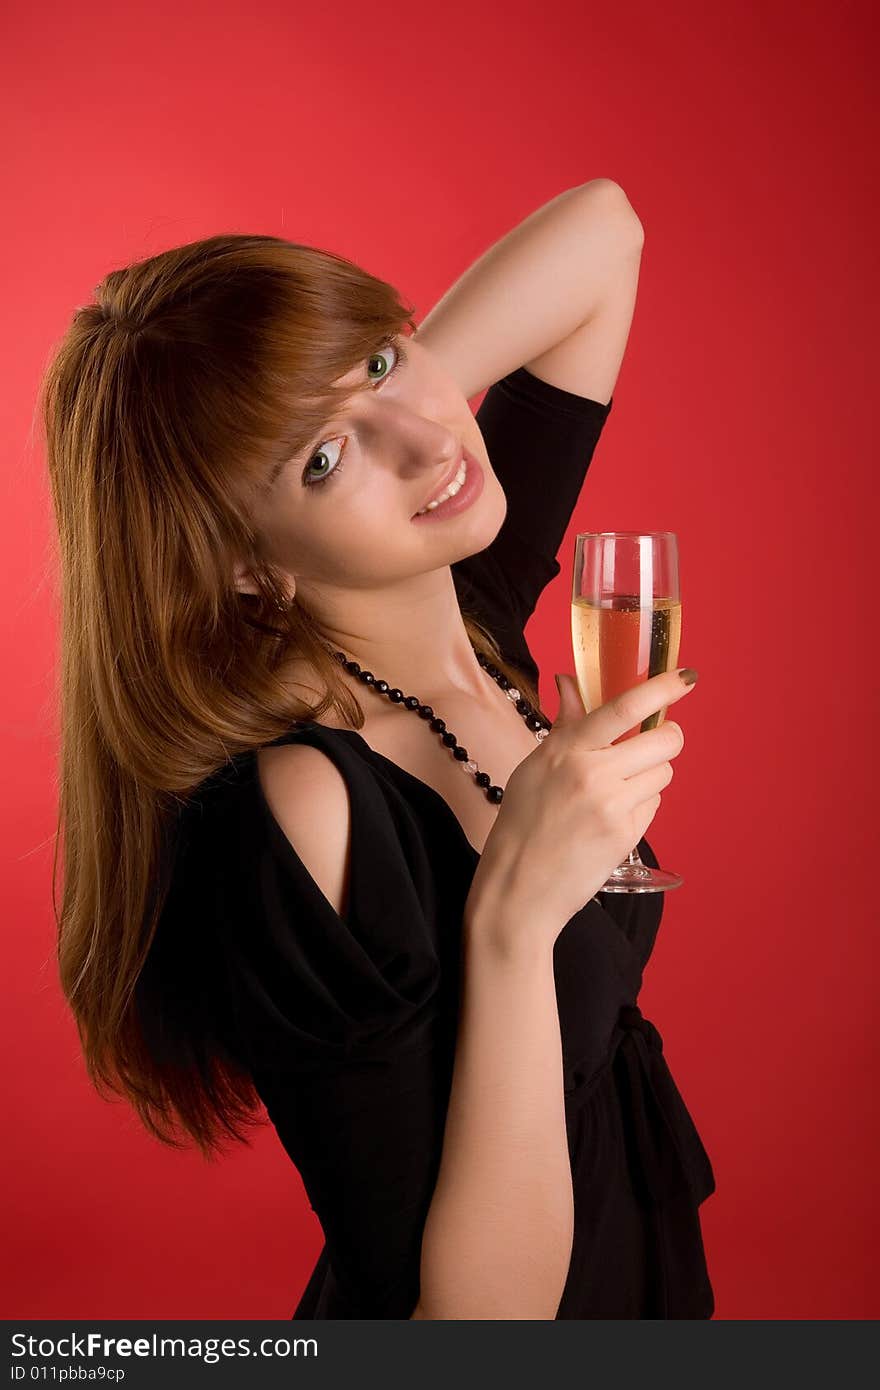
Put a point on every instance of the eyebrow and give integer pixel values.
(277, 469)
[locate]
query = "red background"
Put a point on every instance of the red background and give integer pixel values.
(410, 138)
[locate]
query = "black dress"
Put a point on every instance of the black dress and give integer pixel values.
(348, 1025)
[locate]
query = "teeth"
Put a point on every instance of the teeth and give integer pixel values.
(453, 488)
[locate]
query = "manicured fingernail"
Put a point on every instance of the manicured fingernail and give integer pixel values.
(688, 675)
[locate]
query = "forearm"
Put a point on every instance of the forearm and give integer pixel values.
(534, 287)
(498, 1236)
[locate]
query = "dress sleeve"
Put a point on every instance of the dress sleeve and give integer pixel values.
(540, 440)
(346, 1027)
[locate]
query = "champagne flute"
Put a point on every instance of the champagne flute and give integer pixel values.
(625, 628)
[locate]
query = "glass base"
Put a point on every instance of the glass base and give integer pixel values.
(632, 876)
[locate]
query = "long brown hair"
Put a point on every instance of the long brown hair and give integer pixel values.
(166, 405)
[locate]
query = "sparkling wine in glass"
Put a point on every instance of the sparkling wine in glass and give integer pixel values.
(625, 628)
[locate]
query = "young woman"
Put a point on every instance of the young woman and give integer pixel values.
(319, 850)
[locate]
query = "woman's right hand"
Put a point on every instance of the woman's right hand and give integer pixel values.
(575, 807)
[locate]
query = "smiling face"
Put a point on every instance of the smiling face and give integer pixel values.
(342, 513)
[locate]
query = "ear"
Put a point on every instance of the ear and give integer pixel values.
(243, 580)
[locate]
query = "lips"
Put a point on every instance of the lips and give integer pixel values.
(443, 483)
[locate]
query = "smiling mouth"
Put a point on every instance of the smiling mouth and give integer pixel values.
(453, 484)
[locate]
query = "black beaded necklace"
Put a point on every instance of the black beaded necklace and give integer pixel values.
(532, 720)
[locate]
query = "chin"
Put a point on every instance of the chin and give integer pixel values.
(487, 517)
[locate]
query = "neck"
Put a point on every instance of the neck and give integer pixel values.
(412, 635)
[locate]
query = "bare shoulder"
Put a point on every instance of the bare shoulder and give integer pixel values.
(308, 796)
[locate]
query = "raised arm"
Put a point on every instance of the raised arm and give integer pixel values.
(542, 319)
(556, 294)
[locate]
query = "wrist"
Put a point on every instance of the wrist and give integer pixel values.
(497, 925)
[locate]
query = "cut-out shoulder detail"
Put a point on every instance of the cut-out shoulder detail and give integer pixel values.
(309, 798)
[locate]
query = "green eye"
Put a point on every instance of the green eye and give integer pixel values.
(322, 453)
(377, 357)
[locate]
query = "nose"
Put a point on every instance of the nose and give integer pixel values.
(424, 445)
(410, 437)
